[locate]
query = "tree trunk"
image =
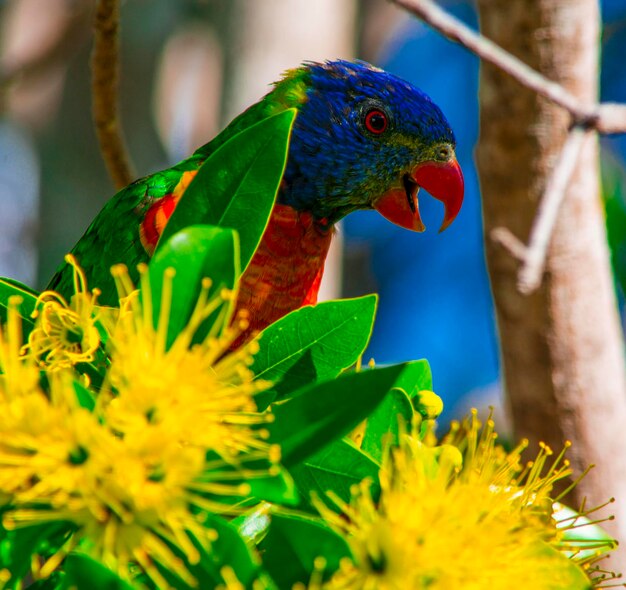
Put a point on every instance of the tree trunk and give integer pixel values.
(562, 349)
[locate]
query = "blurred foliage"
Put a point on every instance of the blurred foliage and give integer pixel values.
(614, 194)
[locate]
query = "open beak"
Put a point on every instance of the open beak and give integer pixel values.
(443, 180)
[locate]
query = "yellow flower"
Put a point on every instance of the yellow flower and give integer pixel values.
(60, 463)
(66, 333)
(199, 394)
(464, 514)
(135, 477)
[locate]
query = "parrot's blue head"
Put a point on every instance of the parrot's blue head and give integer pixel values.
(362, 139)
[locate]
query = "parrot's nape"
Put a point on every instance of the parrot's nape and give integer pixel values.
(362, 139)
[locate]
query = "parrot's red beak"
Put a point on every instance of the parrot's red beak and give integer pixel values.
(443, 180)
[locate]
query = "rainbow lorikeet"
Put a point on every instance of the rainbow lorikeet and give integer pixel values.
(362, 139)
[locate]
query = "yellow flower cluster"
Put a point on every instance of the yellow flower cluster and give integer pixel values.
(464, 514)
(136, 468)
(66, 333)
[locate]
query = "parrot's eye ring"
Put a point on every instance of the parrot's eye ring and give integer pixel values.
(444, 153)
(376, 121)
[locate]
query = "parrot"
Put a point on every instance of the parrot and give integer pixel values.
(362, 138)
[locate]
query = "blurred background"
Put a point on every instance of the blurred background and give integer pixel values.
(189, 66)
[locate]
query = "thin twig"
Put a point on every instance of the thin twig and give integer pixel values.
(531, 272)
(105, 76)
(507, 239)
(607, 118)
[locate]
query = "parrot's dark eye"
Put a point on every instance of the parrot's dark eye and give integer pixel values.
(376, 121)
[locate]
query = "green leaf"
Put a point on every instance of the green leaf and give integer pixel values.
(614, 196)
(384, 425)
(232, 550)
(415, 377)
(325, 411)
(86, 399)
(313, 344)
(276, 485)
(81, 571)
(292, 544)
(237, 184)
(228, 548)
(53, 582)
(278, 488)
(11, 288)
(337, 467)
(585, 538)
(556, 570)
(195, 253)
(17, 546)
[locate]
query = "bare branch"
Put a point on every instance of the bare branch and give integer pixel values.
(533, 256)
(607, 118)
(105, 76)
(531, 272)
(612, 118)
(507, 239)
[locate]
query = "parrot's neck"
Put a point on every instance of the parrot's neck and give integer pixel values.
(286, 270)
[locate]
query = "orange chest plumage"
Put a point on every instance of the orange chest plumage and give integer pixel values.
(286, 270)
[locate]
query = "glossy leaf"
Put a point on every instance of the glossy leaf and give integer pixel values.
(195, 252)
(11, 288)
(20, 544)
(325, 411)
(228, 548)
(86, 399)
(237, 184)
(313, 344)
(292, 544)
(81, 571)
(559, 572)
(415, 377)
(584, 537)
(53, 582)
(276, 486)
(337, 467)
(386, 422)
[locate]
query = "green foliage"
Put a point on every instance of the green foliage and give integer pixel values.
(585, 537)
(386, 423)
(17, 547)
(322, 412)
(196, 252)
(313, 344)
(80, 571)
(26, 297)
(614, 193)
(569, 576)
(336, 468)
(294, 542)
(266, 515)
